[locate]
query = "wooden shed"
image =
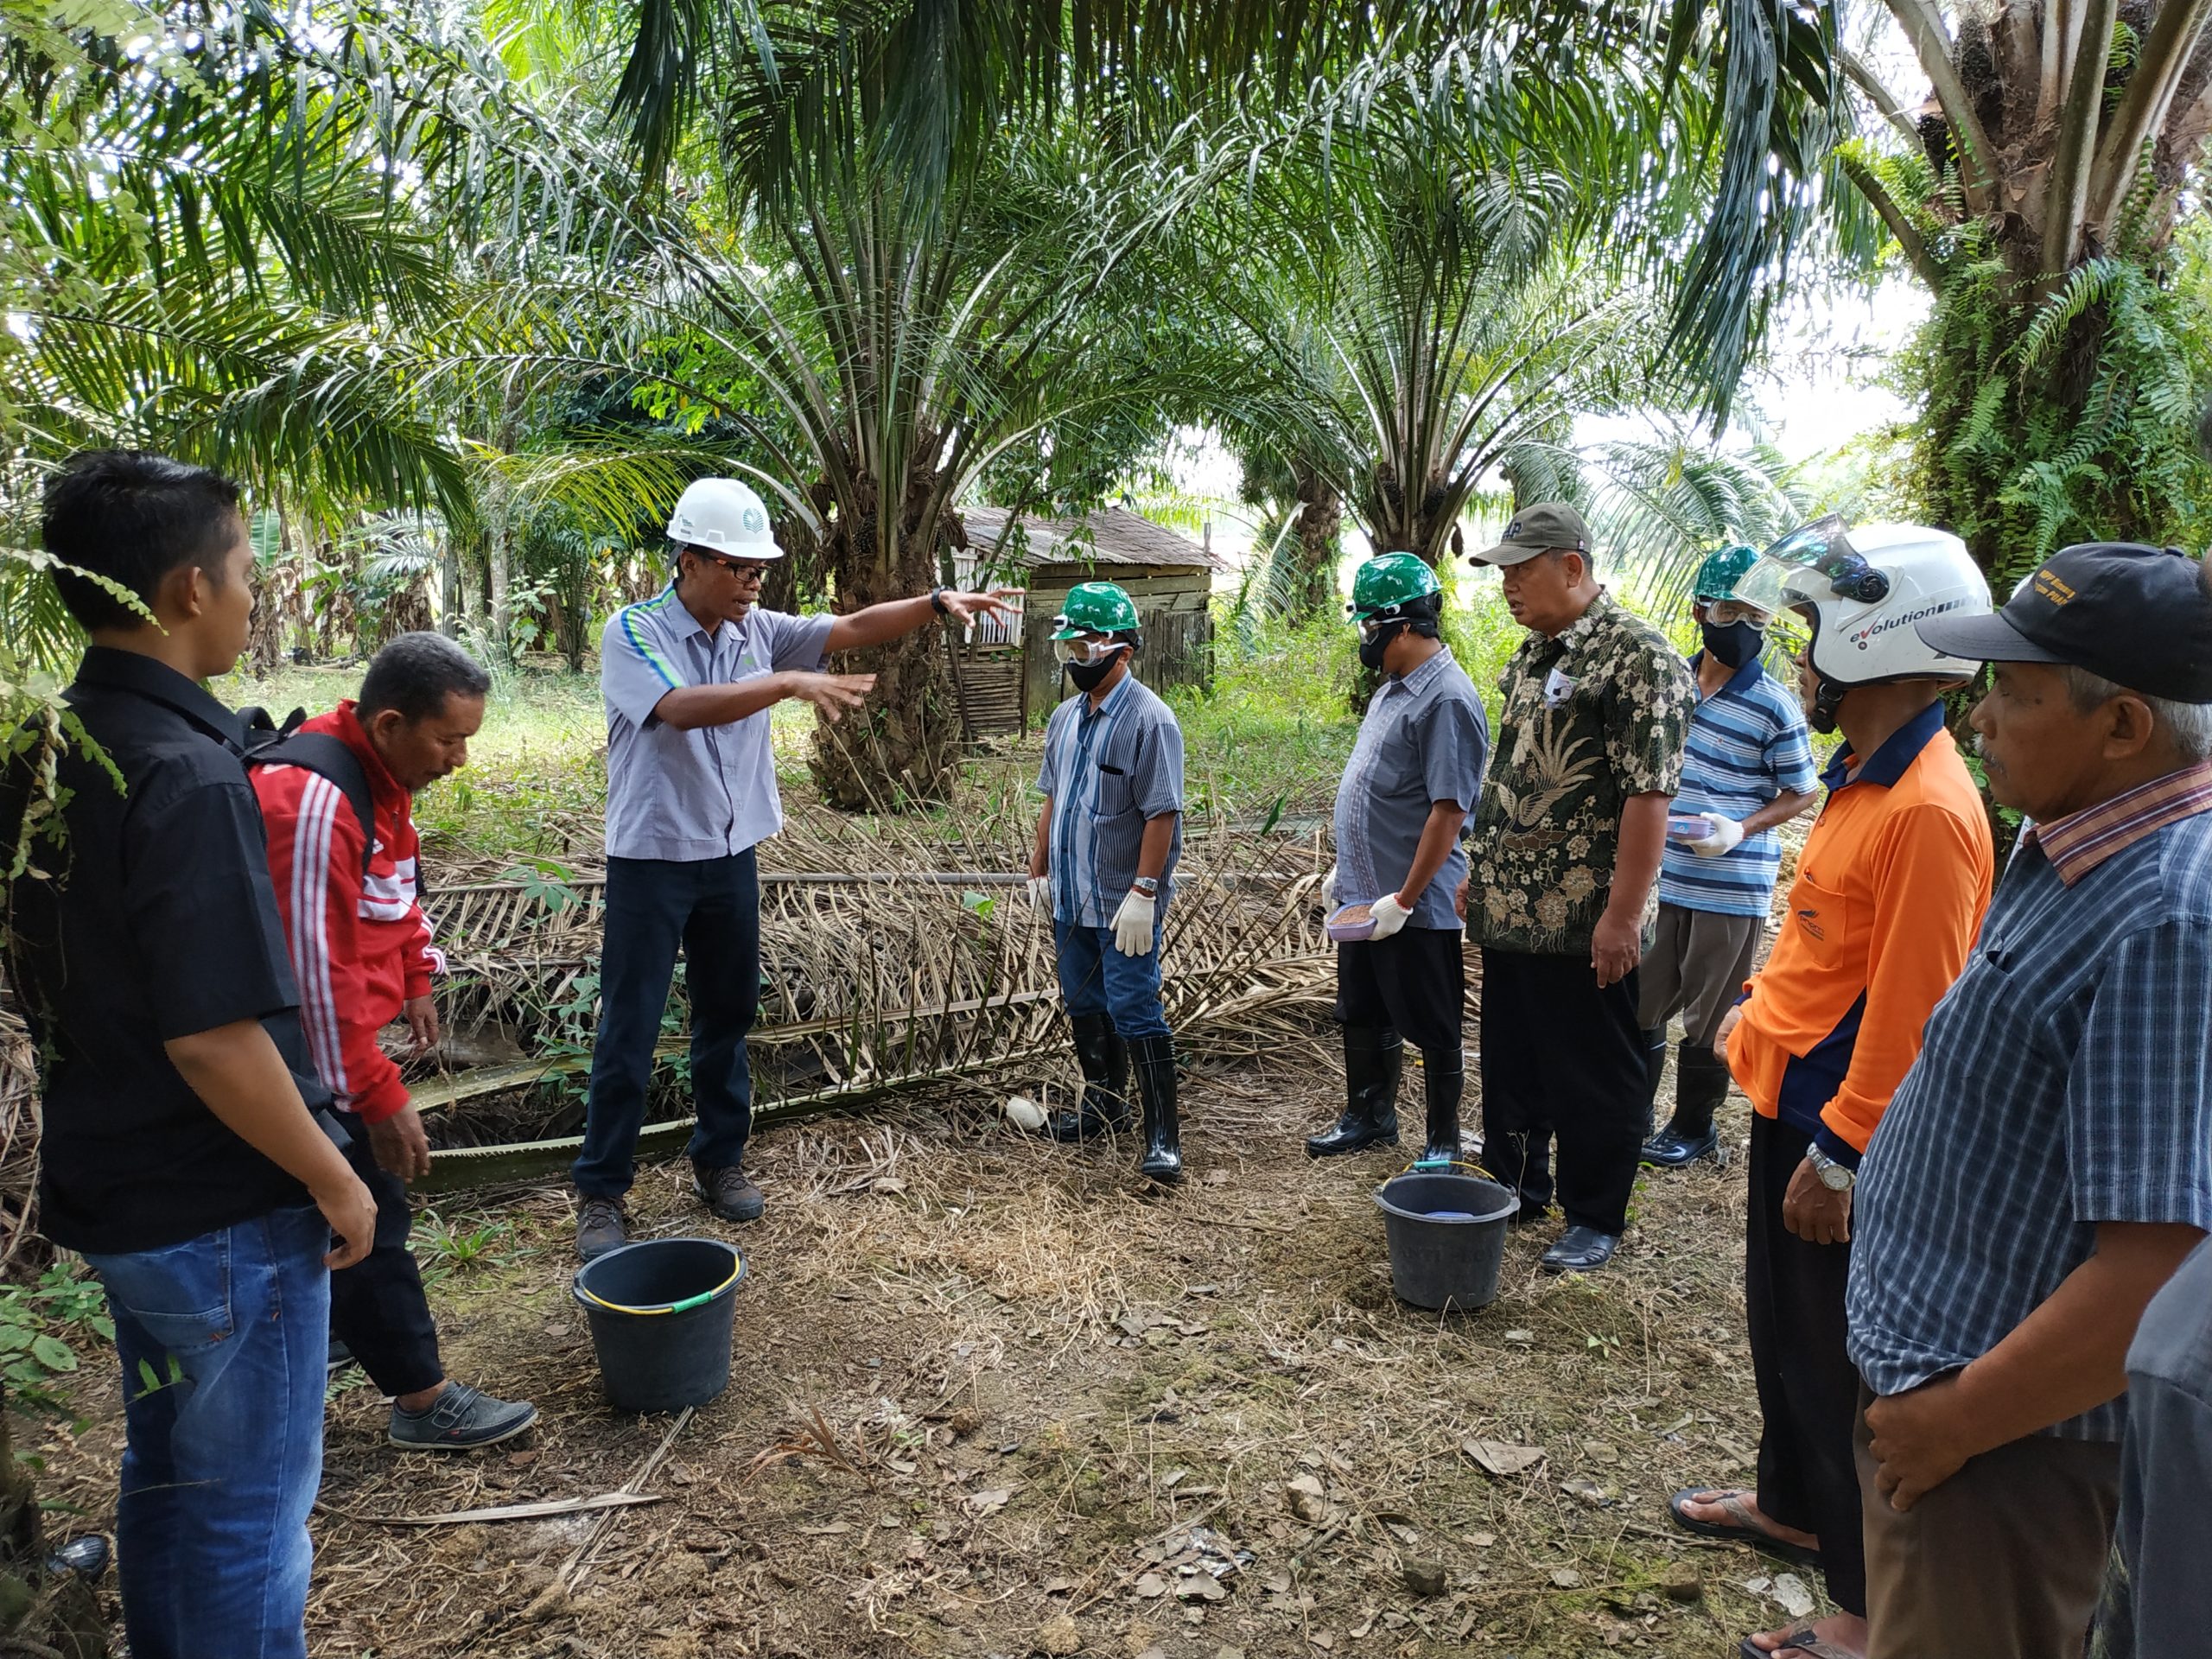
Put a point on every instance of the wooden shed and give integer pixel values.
(1010, 680)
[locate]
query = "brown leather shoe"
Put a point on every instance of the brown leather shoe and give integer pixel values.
(729, 1193)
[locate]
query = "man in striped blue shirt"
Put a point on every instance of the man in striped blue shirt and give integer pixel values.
(1747, 767)
(1108, 838)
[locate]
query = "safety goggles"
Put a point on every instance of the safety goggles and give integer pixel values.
(1088, 649)
(1726, 613)
(1371, 626)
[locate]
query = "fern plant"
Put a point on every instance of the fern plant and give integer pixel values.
(2067, 413)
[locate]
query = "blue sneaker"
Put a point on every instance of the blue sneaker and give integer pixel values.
(459, 1420)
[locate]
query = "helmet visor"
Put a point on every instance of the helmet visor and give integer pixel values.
(1811, 563)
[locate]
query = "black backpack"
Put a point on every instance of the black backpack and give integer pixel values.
(268, 744)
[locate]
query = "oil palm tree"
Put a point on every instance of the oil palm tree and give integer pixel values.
(866, 149)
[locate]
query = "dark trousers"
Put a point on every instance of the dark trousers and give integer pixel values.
(711, 909)
(1414, 982)
(377, 1306)
(1808, 1393)
(1562, 1057)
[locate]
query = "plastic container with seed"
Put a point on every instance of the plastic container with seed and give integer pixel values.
(1351, 923)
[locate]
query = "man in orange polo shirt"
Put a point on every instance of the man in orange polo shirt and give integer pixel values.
(1890, 892)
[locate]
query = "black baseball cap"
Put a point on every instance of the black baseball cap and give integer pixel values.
(2138, 616)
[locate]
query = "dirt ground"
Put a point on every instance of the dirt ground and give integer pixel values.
(986, 1386)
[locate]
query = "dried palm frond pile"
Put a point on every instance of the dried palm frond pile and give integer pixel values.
(18, 1138)
(892, 957)
(895, 953)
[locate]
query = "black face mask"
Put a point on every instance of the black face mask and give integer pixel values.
(1735, 644)
(1371, 649)
(1088, 676)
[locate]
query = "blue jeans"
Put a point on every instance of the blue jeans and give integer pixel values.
(223, 1453)
(1096, 978)
(711, 908)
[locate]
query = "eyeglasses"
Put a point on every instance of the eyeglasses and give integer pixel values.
(743, 571)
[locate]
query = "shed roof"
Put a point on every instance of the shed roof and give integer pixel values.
(1115, 537)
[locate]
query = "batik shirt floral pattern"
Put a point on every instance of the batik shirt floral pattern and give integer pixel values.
(1592, 717)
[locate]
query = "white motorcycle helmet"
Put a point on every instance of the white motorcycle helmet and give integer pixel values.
(1862, 589)
(722, 516)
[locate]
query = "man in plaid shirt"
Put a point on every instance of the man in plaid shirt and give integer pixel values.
(2047, 1163)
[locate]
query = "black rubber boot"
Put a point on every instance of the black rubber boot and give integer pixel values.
(1105, 1061)
(1654, 1072)
(1701, 1085)
(1443, 1078)
(1373, 1056)
(1163, 1139)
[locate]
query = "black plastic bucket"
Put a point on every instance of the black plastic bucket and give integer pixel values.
(660, 1316)
(1447, 1236)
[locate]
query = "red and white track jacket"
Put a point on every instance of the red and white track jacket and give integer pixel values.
(361, 948)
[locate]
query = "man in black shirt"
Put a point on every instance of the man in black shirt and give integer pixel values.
(180, 1151)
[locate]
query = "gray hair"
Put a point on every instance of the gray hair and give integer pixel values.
(416, 673)
(2188, 726)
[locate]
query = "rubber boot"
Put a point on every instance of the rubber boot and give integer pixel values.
(1105, 1058)
(1373, 1056)
(1654, 1072)
(1163, 1139)
(1701, 1085)
(1443, 1078)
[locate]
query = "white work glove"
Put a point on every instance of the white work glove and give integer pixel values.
(1390, 916)
(1040, 894)
(1726, 835)
(1133, 925)
(1329, 889)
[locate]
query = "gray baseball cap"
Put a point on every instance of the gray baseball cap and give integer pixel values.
(1539, 528)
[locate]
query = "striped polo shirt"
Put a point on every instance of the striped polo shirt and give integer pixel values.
(1747, 745)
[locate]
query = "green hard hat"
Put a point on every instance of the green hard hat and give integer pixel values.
(1387, 580)
(1718, 576)
(1095, 608)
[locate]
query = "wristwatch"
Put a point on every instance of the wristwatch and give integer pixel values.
(1836, 1177)
(936, 602)
(1147, 885)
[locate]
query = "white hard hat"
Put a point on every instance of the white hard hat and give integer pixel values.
(722, 516)
(1865, 586)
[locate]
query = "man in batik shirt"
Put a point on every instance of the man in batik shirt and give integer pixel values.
(1565, 854)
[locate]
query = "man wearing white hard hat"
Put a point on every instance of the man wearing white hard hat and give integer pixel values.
(689, 677)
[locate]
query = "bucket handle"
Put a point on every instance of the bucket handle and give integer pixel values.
(683, 1306)
(1443, 1166)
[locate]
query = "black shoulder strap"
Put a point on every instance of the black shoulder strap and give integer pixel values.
(327, 757)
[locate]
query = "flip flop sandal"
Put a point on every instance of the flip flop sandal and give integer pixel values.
(1797, 1641)
(1745, 1529)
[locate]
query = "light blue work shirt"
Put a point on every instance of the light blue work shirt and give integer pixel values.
(1108, 770)
(1425, 739)
(709, 791)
